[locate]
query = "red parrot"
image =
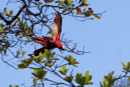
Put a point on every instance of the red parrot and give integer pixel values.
(53, 41)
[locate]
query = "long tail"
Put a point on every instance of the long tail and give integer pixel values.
(36, 52)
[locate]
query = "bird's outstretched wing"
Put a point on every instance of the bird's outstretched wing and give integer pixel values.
(57, 23)
(43, 41)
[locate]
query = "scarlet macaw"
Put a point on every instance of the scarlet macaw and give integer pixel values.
(53, 41)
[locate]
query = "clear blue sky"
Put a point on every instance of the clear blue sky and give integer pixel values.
(108, 39)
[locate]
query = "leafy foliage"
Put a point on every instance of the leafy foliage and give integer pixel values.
(83, 80)
(110, 80)
(71, 60)
(13, 86)
(63, 70)
(39, 73)
(45, 63)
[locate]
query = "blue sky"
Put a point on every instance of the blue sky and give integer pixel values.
(108, 40)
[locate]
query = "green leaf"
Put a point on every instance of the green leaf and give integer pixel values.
(32, 57)
(128, 66)
(28, 31)
(39, 3)
(40, 73)
(111, 85)
(96, 16)
(101, 85)
(47, 53)
(50, 63)
(10, 12)
(88, 13)
(69, 78)
(86, 76)
(129, 78)
(0, 28)
(83, 4)
(112, 73)
(17, 33)
(20, 24)
(27, 62)
(41, 55)
(18, 52)
(35, 80)
(64, 10)
(10, 85)
(50, 31)
(72, 61)
(16, 86)
(53, 63)
(18, 19)
(80, 79)
(105, 82)
(91, 18)
(85, 1)
(68, 2)
(28, 39)
(1, 24)
(63, 70)
(52, 55)
(43, 61)
(39, 59)
(90, 77)
(109, 77)
(21, 66)
(37, 70)
(35, 75)
(5, 10)
(23, 53)
(24, 24)
(80, 86)
(123, 64)
(62, 3)
(89, 83)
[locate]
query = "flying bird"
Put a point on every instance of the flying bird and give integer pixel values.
(53, 41)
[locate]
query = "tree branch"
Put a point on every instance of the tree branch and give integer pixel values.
(3, 18)
(16, 16)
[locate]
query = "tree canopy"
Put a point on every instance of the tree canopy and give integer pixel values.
(18, 27)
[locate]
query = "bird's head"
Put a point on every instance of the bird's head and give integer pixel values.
(59, 45)
(63, 47)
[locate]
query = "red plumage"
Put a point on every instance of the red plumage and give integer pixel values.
(53, 41)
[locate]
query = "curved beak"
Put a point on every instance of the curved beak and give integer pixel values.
(62, 49)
